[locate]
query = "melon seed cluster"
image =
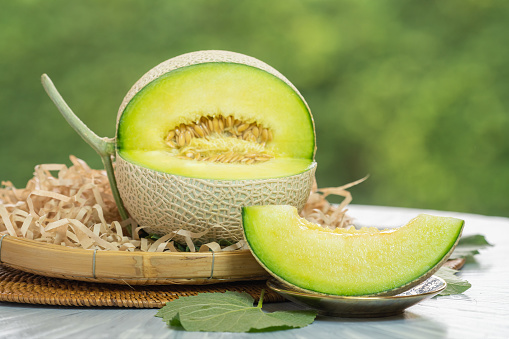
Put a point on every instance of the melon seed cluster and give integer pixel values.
(208, 127)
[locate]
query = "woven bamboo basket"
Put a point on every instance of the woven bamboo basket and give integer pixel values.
(134, 268)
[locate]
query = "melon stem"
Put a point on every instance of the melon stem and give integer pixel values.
(105, 147)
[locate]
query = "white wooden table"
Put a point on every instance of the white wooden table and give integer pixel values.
(481, 312)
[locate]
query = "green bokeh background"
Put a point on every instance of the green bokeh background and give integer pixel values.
(413, 93)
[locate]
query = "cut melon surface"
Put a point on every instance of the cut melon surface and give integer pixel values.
(185, 102)
(348, 261)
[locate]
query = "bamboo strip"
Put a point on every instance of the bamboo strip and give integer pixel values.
(138, 268)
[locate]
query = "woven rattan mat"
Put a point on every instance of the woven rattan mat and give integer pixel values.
(22, 287)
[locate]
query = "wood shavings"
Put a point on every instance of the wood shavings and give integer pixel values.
(318, 210)
(73, 206)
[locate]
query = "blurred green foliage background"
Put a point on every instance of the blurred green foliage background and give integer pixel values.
(414, 93)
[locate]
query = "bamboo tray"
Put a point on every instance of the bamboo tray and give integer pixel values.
(133, 268)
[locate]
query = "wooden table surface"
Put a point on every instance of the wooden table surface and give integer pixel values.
(481, 312)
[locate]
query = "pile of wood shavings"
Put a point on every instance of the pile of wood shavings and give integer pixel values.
(76, 208)
(318, 210)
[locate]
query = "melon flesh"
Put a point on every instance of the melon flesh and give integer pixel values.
(218, 89)
(348, 262)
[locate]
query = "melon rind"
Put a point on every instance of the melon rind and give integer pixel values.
(165, 202)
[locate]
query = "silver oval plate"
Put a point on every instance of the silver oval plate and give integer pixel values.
(359, 306)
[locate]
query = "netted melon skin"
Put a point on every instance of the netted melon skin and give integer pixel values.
(164, 202)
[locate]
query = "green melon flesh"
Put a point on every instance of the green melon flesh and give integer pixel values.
(348, 262)
(217, 89)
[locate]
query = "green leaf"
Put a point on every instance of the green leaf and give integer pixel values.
(455, 285)
(469, 246)
(153, 236)
(475, 240)
(229, 312)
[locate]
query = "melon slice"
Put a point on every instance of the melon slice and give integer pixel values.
(348, 261)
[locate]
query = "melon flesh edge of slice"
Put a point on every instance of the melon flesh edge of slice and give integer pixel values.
(350, 263)
(163, 202)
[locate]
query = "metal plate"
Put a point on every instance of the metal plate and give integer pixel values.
(359, 306)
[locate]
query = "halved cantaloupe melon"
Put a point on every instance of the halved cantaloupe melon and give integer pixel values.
(348, 261)
(205, 133)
